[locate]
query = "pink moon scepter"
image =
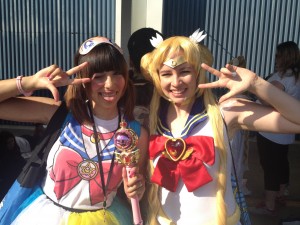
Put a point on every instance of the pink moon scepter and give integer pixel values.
(128, 154)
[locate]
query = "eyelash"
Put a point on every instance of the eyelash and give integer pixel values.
(180, 72)
(165, 74)
(185, 71)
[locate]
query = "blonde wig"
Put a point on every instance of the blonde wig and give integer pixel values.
(195, 54)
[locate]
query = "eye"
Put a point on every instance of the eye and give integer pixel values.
(99, 77)
(116, 73)
(185, 72)
(165, 73)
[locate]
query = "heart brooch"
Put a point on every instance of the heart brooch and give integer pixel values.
(176, 149)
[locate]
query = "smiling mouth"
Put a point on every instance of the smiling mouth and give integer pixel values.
(112, 94)
(177, 92)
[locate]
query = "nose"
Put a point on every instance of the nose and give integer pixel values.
(176, 80)
(108, 81)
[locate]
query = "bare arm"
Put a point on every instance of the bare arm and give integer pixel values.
(247, 115)
(35, 109)
(286, 105)
(28, 109)
(244, 80)
(276, 84)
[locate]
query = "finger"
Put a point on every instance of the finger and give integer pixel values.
(135, 187)
(231, 68)
(140, 189)
(233, 74)
(132, 172)
(124, 174)
(211, 70)
(50, 70)
(54, 92)
(229, 72)
(209, 85)
(80, 81)
(140, 184)
(57, 71)
(135, 181)
(227, 96)
(76, 69)
(46, 72)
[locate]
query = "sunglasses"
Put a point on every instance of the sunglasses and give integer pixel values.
(91, 43)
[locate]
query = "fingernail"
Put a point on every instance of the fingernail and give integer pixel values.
(49, 76)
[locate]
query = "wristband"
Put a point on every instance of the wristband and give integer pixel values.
(19, 86)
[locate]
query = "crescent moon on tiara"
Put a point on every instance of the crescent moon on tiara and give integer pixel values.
(91, 43)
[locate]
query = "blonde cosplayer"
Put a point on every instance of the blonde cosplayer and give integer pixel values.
(194, 53)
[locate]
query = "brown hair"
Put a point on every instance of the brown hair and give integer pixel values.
(101, 58)
(288, 57)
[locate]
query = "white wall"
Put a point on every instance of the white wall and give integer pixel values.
(132, 15)
(146, 13)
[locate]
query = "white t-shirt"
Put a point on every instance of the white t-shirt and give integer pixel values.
(73, 178)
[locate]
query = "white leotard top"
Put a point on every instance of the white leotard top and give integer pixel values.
(199, 206)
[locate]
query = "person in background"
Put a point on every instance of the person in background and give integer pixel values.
(190, 163)
(82, 178)
(36, 136)
(11, 160)
(273, 148)
(138, 45)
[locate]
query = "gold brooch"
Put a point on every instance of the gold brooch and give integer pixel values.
(175, 149)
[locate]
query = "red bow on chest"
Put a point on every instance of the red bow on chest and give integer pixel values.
(182, 158)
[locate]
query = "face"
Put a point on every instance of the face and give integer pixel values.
(178, 83)
(10, 144)
(106, 89)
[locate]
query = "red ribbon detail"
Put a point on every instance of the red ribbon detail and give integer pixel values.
(101, 136)
(192, 170)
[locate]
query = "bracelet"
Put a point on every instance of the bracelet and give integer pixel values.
(19, 86)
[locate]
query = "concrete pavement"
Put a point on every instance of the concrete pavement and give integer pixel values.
(255, 184)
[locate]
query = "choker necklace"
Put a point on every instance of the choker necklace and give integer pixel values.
(104, 187)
